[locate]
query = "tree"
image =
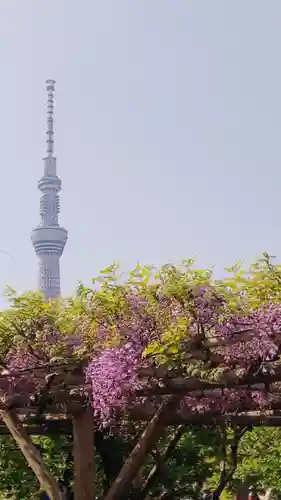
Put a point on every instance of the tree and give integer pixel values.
(259, 461)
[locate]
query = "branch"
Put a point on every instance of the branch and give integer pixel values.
(162, 459)
(44, 397)
(29, 347)
(153, 431)
(227, 472)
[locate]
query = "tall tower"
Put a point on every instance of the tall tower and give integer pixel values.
(49, 238)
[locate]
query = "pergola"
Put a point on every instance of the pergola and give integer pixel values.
(62, 406)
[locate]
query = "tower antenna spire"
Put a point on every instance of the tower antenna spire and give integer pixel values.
(49, 237)
(50, 116)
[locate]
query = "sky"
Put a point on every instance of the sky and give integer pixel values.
(167, 132)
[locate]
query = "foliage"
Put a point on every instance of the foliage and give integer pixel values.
(192, 464)
(260, 459)
(16, 478)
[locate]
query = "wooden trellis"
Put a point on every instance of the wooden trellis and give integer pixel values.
(62, 406)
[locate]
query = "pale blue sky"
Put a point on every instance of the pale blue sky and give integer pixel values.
(168, 131)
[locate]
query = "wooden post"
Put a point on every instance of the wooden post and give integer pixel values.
(83, 455)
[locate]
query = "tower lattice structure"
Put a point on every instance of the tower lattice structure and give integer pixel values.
(49, 238)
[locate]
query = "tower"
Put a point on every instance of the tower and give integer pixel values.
(49, 238)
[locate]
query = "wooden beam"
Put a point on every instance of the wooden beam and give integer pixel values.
(50, 428)
(229, 380)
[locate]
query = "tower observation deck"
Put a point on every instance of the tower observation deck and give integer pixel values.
(49, 238)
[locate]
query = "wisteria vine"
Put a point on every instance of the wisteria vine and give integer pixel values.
(179, 319)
